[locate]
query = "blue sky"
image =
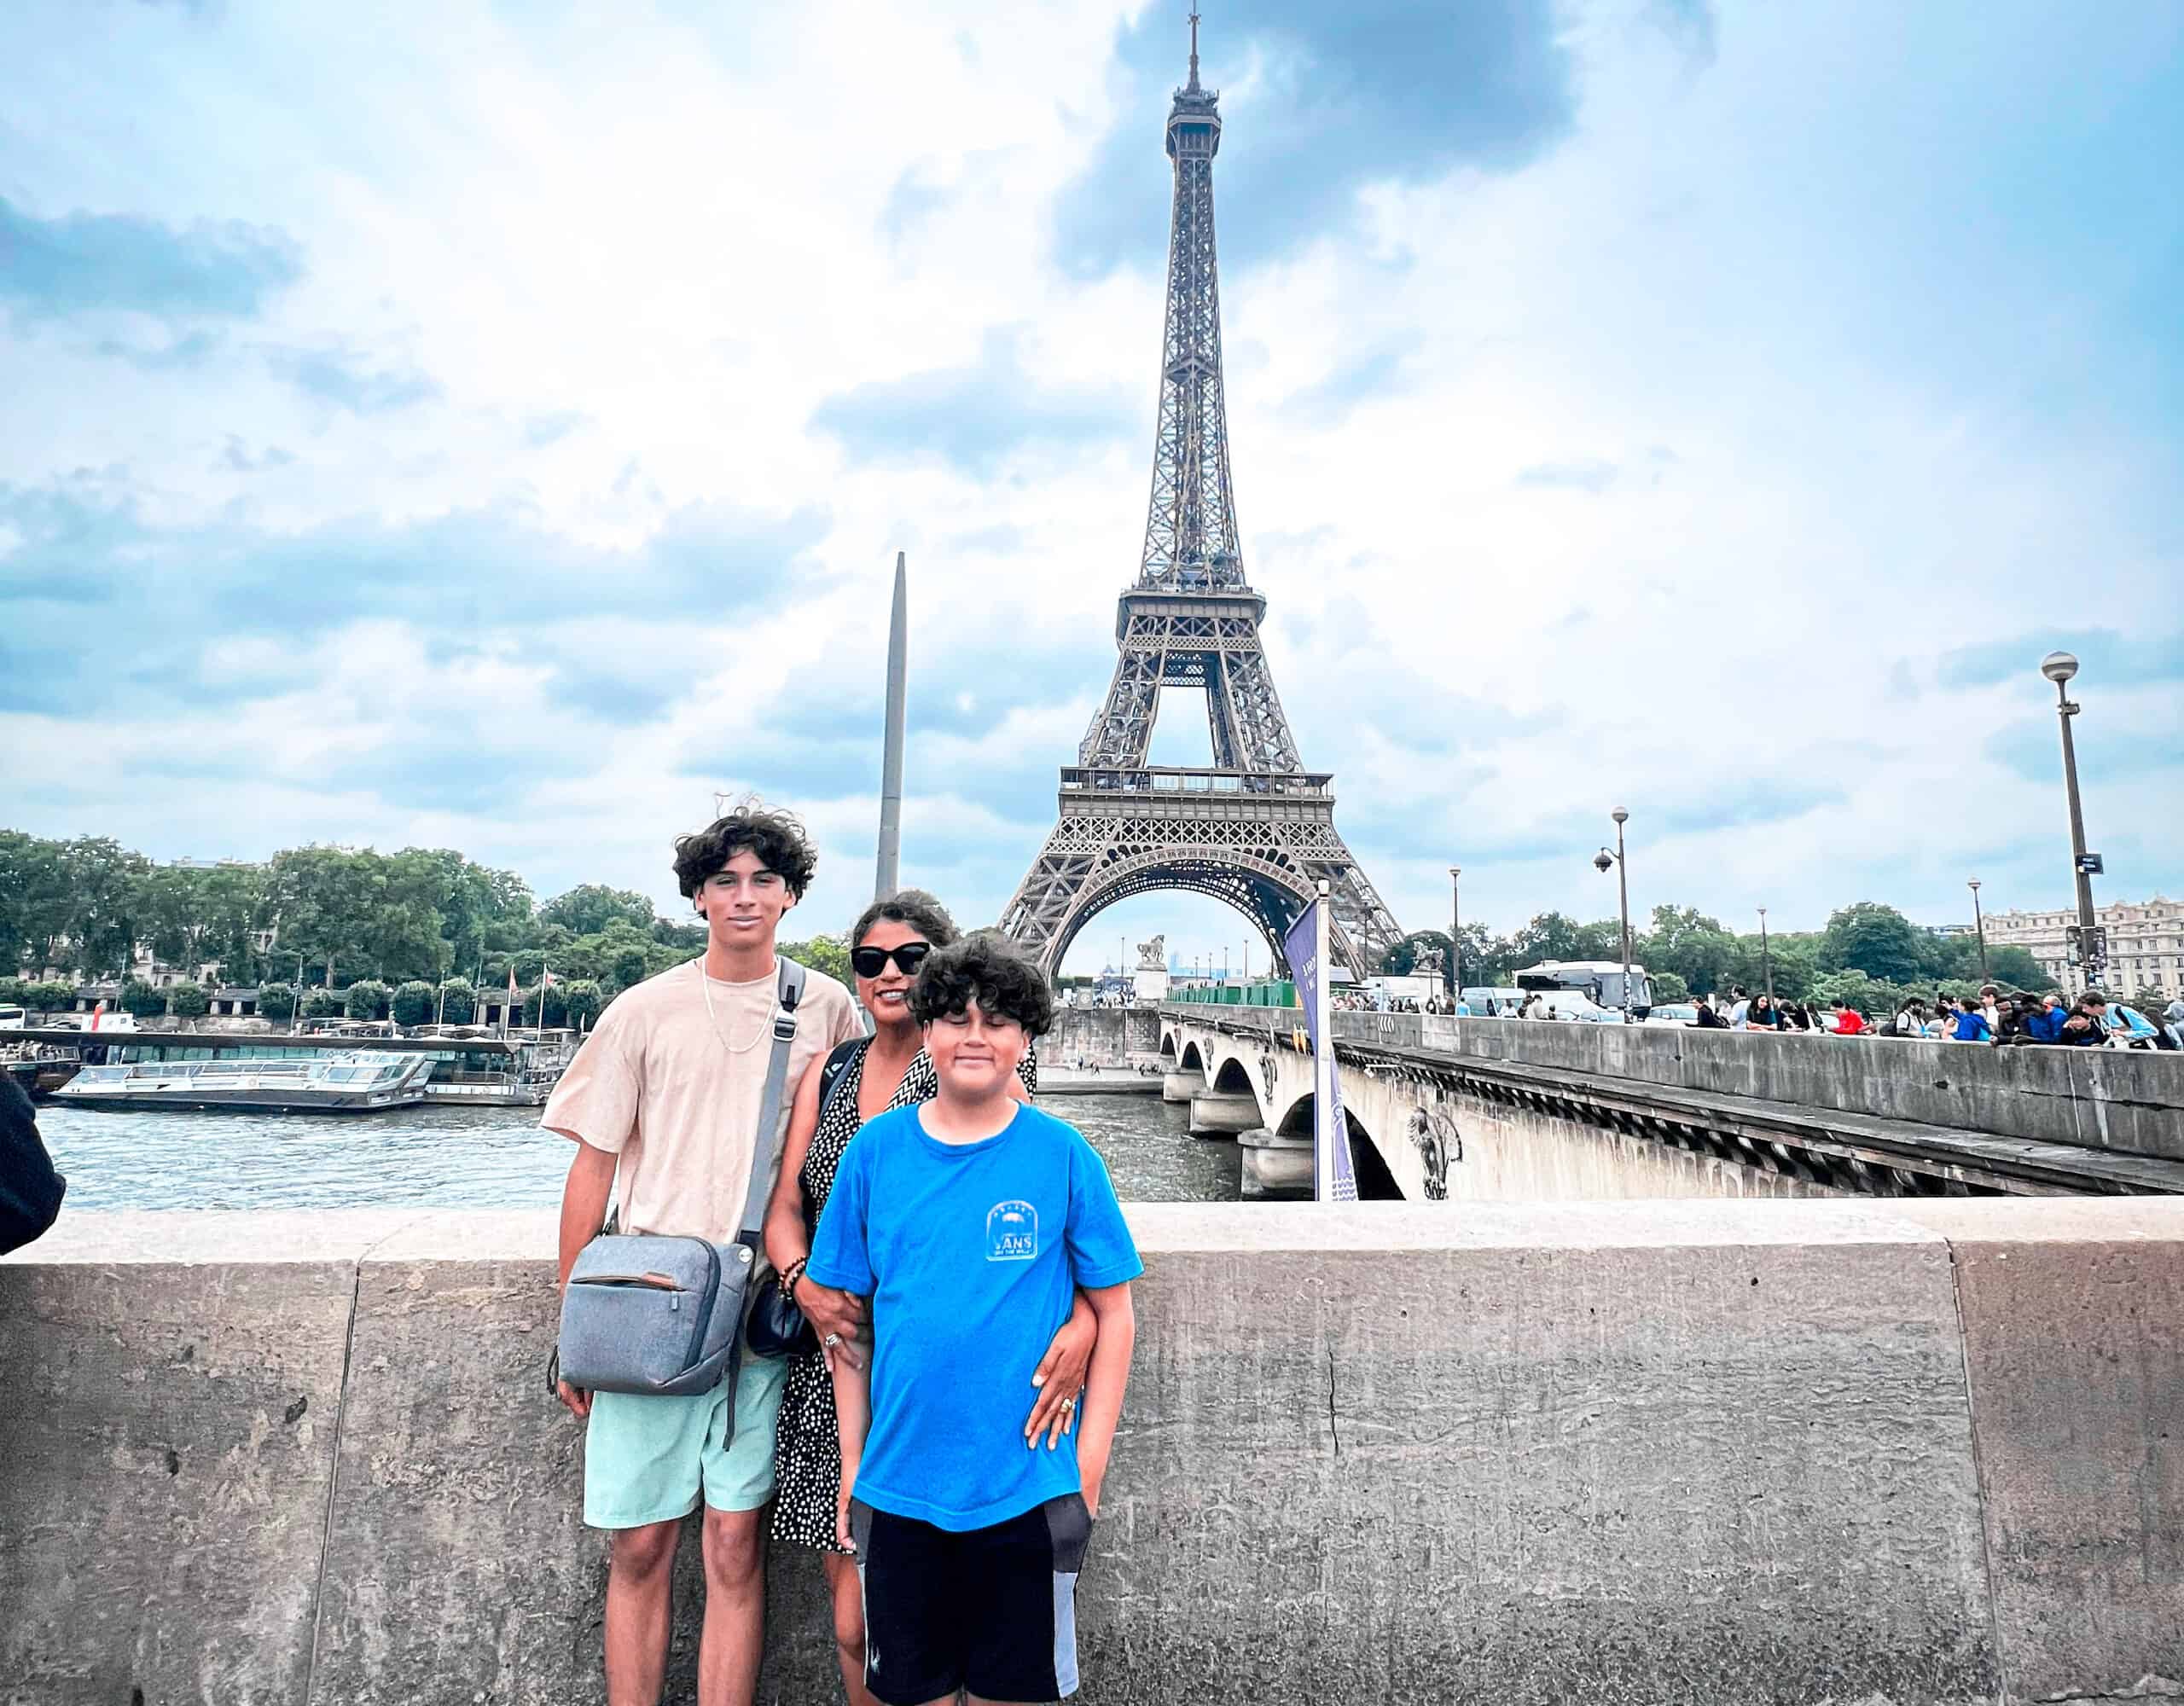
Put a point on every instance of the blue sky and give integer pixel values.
(493, 425)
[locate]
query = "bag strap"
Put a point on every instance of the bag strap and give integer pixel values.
(837, 1064)
(789, 991)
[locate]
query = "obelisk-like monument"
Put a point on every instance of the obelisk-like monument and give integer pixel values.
(886, 881)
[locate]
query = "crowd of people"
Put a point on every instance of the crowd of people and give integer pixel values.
(1994, 1017)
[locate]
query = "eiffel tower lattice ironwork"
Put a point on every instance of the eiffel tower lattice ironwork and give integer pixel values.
(1256, 829)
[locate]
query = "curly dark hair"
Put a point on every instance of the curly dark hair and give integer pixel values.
(913, 907)
(774, 836)
(987, 967)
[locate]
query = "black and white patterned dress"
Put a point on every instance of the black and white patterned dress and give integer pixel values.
(807, 1441)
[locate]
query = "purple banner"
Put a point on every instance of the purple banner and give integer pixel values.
(1333, 1179)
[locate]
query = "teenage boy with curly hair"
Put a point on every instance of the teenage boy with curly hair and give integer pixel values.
(669, 1088)
(972, 1220)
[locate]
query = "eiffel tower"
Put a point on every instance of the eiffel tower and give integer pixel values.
(1256, 829)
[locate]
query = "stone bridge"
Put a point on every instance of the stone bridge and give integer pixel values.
(1511, 1110)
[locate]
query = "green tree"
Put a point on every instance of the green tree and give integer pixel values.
(33, 902)
(140, 998)
(413, 1003)
(187, 1000)
(2014, 968)
(15, 992)
(458, 1002)
(1877, 940)
(690, 939)
(581, 1001)
(51, 998)
(106, 904)
(322, 1004)
(828, 953)
(590, 908)
(1668, 986)
(276, 1001)
(1685, 943)
(366, 999)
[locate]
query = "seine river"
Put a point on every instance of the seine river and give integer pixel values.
(485, 1157)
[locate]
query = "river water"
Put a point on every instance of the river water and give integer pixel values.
(452, 1157)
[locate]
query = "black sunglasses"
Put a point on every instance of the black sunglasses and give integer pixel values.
(870, 962)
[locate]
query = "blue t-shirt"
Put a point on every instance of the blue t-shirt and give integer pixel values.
(972, 1254)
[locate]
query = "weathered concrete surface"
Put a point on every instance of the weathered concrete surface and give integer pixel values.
(173, 1385)
(1661, 1453)
(1681, 1453)
(2076, 1359)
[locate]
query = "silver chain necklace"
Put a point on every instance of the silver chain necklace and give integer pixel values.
(712, 1023)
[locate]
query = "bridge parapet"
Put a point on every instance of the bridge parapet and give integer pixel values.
(2125, 1102)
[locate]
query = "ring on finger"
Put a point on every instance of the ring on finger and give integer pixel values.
(831, 1340)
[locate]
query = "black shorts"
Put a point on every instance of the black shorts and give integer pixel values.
(993, 1610)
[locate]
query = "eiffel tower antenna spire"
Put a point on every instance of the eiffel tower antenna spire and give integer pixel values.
(1255, 829)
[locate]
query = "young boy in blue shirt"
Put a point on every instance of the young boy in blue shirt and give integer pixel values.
(972, 1220)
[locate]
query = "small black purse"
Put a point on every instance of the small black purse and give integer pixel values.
(777, 1326)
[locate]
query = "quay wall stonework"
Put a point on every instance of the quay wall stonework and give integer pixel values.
(1106, 1036)
(1769, 1453)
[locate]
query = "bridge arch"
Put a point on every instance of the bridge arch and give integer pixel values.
(1261, 886)
(1234, 1077)
(1192, 1060)
(1376, 1183)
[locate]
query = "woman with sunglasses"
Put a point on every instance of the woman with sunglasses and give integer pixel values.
(860, 1080)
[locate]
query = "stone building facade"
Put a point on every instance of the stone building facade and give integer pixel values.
(2146, 942)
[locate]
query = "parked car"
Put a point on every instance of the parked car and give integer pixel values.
(1674, 1013)
(1576, 1004)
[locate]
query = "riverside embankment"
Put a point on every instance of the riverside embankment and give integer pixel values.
(1690, 1452)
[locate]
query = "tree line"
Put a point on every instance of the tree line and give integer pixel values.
(1869, 954)
(419, 934)
(416, 935)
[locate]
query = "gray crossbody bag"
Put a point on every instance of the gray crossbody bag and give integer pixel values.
(650, 1314)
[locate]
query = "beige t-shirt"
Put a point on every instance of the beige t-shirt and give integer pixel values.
(656, 1084)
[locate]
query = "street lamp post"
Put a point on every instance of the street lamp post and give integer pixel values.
(1601, 860)
(1766, 960)
(2058, 667)
(1456, 937)
(1979, 924)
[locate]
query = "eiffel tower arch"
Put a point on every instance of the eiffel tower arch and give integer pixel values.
(1254, 829)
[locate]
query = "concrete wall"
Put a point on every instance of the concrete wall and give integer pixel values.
(1751, 1453)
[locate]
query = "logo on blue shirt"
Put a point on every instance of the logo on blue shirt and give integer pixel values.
(1012, 1232)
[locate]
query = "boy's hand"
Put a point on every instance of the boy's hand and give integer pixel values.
(1092, 1484)
(577, 1400)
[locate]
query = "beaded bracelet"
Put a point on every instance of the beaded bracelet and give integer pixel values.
(790, 1275)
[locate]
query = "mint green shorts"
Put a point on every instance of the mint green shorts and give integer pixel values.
(646, 1459)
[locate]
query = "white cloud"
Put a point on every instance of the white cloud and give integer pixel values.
(1819, 447)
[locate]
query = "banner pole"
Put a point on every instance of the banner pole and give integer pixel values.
(1323, 1107)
